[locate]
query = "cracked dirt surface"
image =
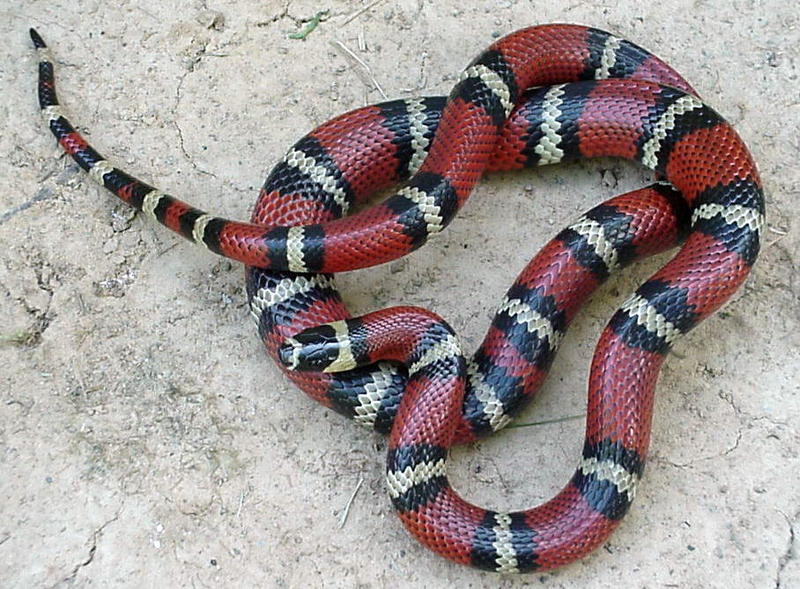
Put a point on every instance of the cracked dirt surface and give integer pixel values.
(146, 441)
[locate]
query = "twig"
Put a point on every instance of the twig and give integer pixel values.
(360, 11)
(346, 511)
(365, 73)
(548, 421)
(773, 242)
(781, 234)
(422, 79)
(241, 504)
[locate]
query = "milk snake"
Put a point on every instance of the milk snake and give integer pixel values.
(594, 95)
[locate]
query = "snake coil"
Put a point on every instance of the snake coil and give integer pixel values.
(593, 94)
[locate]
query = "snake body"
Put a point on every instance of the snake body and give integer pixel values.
(648, 114)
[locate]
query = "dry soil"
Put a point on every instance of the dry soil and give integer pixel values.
(145, 440)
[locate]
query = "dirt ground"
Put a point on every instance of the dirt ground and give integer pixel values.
(145, 440)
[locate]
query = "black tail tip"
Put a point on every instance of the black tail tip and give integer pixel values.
(38, 42)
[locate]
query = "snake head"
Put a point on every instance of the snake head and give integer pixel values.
(317, 349)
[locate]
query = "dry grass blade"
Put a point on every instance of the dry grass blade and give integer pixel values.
(361, 11)
(349, 503)
(363, 71)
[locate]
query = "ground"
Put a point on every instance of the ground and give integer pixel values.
(145, 440)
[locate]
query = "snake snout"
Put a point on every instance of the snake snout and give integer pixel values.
(313, 350)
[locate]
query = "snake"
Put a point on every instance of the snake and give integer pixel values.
(541, 95)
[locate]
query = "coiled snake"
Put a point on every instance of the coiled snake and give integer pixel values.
(593, 94)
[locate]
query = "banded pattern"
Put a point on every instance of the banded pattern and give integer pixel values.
(420, 133)
(532, 319)
(547, 147)
(662, 127)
